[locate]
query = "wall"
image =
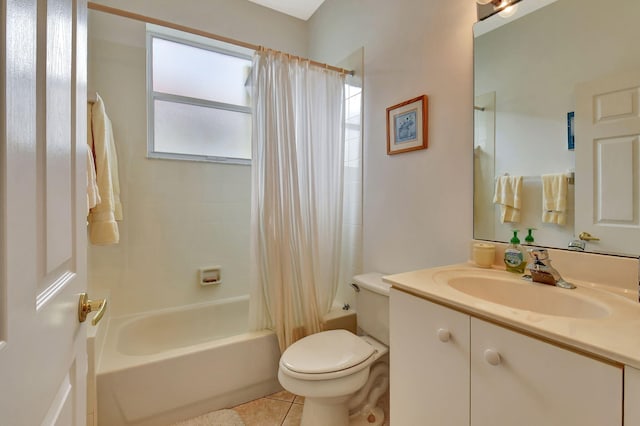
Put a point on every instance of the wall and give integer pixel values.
(178, 215)
(417, 205)
(238, 19)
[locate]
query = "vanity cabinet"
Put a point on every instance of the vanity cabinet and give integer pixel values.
(519, 380)
(487, 375)
(429, 363)
(631, 396)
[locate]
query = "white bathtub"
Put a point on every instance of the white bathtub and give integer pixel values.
(161, 367)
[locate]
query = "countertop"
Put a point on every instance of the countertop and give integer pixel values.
(615, 337)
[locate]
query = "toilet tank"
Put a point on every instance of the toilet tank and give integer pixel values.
(372, 305)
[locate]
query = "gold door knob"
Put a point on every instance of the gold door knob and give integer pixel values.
(585, 236)
(85, 306)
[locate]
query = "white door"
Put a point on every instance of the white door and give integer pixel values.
(607, 150)
(43, 357)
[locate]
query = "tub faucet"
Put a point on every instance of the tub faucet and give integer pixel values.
(542, 271)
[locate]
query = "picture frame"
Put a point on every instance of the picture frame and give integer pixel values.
(407, 126)
(571, 138)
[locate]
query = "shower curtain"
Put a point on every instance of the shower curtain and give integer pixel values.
(297, 191)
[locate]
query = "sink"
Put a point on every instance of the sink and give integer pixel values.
(519, 294)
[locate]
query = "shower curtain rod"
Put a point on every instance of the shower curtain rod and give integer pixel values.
(150, 20)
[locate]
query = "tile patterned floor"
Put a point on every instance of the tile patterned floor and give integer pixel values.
(284, 409)
(279, 409)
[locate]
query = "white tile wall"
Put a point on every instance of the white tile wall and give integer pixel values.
(178, 215)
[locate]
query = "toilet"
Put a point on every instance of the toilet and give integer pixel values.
(342, 375)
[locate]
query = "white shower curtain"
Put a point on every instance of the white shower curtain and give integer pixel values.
(297, 191)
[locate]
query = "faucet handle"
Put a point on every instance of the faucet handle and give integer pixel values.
(577, 245)
(539, 254)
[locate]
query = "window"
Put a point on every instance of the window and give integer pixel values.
(199, 102)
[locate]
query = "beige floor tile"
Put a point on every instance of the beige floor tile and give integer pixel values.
(294, 416)
(220, 417)
(299, 399)
(282, 396)
(263, 412)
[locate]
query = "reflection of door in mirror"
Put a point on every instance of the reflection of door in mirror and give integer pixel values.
(484, 135)
(608, 161)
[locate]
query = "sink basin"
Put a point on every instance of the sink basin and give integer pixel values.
(539, 298)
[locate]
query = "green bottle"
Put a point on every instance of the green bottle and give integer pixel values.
(528, 240)
(514, 256)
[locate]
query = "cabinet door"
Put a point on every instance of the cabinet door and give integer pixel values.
(518, 380)
(631, 396)
(429, 363)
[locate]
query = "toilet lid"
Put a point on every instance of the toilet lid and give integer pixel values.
(326, 352)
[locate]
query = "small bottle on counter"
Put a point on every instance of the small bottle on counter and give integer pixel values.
(514, 255)
(528, 240)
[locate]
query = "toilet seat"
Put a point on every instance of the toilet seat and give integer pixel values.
(329, 355)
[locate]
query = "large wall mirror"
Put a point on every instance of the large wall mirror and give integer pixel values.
(557, 73)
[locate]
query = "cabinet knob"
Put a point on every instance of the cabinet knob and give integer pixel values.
(444, 335)
(492, 357)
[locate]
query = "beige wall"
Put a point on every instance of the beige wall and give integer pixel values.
(418, 205)
(178, 215)
(239, 19)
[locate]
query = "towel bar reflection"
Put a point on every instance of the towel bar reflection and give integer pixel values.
(571, 177)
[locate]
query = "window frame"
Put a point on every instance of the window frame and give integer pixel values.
(152, 32)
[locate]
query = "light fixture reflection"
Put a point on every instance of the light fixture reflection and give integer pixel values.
(505, 8)
(508, 11)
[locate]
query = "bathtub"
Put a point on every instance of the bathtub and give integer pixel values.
(161, 367)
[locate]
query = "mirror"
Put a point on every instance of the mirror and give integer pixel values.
(539, 76)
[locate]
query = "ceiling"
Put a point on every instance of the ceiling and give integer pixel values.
(302, 9)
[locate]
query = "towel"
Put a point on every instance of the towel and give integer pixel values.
(103, 228)
(554, 198)
(507, 196)
(93, 193)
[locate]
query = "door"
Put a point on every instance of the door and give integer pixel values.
(42, 212)
(518, 380)
(607, 162)
(429, 363)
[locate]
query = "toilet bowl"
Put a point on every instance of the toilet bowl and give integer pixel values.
(342, 375)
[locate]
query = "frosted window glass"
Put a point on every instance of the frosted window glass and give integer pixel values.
(195, 130)
(352, 108)
(183, 70)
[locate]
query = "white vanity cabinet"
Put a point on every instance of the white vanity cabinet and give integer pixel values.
(519, 380)
(631, 396)
(487, 375)
(429, 363)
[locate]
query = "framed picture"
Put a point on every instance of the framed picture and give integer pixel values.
(407, 126)
(571, 139)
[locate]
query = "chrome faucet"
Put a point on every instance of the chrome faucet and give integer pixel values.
(577, 245)
(542, 271)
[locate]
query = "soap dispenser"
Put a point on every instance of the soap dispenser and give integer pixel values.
(514, 255)
(528, 240)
